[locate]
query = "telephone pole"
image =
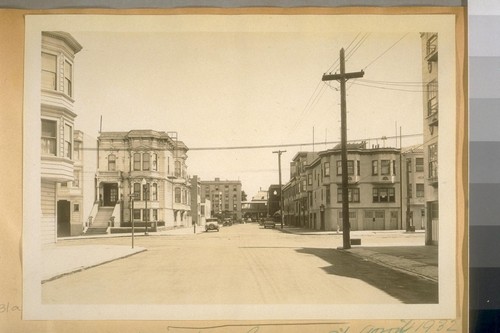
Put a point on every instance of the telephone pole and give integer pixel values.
(342, 78)
(279, 152)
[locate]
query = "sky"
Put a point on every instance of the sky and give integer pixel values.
(249, 82)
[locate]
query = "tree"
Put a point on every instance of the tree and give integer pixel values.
(243, 196)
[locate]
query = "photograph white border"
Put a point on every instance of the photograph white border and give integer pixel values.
(34, 309)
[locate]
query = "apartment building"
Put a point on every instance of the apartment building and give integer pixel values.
(57, 128)
(295, 195)
(431, 122)
(225, 196)
(374, 189)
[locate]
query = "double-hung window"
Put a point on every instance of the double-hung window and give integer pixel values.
(68, 78)
(49, 71)
(326, 169)
(137, 162)
(178, 195)
(145, 161)
(374, 168)
(432, 97)
(433, 161)
(350, 167)
(385, 167)
(68, 141)
(353, 194)
(384, 195)
(49, 137)
(112, 162)
(419, 164)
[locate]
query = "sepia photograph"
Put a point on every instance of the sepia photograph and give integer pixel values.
(246, 167)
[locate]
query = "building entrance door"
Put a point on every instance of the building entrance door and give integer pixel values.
(63, 218)
(110, 192)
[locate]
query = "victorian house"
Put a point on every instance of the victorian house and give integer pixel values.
(141, 177)
(58, 52)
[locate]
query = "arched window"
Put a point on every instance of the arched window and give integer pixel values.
(111, 162)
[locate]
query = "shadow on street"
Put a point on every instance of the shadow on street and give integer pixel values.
(407, 288)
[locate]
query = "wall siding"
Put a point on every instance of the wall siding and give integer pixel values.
(48, 204)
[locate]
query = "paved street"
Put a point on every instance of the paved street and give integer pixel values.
(241, 264)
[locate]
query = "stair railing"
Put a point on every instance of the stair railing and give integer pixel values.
(91, 217)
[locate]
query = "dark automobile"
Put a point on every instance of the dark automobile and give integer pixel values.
(227, 222)
(212, 224)
(269, 224)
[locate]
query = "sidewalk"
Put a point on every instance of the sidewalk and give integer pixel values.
(60, 260)
(419, 260)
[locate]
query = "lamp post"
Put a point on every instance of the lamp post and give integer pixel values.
(322, 216)
(145, 188)
(132, 196)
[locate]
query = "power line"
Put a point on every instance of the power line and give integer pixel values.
(263, 146)
(337, 60)
(356, 47)
(395, 83)
(390, 47)
(395, 89)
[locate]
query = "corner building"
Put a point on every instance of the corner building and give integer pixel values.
(430, 53)
(374, 189)
(142, 177)
(57, 126)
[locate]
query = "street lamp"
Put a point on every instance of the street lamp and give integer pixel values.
(132, 196)
(145, 188)
(322, 216)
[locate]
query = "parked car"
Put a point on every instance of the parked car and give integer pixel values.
(212, 224)
(268, 223)
(227, 222)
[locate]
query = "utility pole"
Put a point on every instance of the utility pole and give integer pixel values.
(279, 152)
(342, 78)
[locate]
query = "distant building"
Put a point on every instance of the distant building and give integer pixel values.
(257, 207)
(413, 177)
(225, 197)
(295, 195)
(431, 122)
(57, 126)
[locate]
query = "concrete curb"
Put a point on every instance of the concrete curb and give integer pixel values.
(407, 266)
(85, 267)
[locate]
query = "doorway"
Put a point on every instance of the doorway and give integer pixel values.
(63, 218)
(110, 194)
